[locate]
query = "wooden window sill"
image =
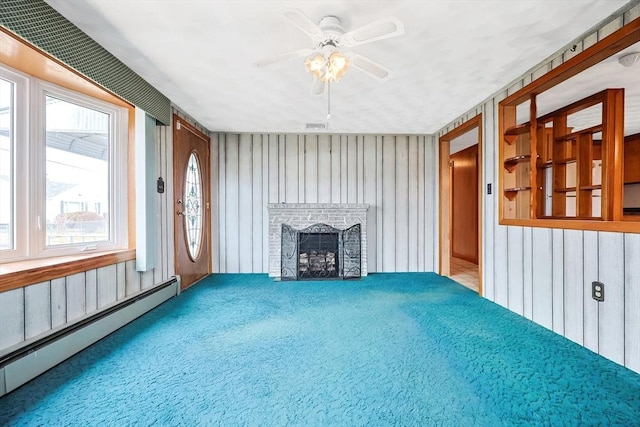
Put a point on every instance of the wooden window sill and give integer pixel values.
(23, 273)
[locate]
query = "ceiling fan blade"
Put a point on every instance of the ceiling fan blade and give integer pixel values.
(370, 67)
(377, 30)
(317, 88)
(283, 57)
(303, 22)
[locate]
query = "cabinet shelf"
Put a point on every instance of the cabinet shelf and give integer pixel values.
(565, 161)
(511, 193)
(564, 190)
(511, 163)
(590, 187)
(576, 134)
(513, 132)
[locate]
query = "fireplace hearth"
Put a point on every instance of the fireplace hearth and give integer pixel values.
(320, 252)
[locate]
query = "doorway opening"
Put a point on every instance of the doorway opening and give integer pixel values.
(460, 204)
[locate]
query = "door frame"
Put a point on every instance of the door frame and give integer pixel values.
(444, 229)
(178, 124)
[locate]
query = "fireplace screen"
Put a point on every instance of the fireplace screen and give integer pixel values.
(320, 252)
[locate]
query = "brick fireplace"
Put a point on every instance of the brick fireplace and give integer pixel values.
(302, 215)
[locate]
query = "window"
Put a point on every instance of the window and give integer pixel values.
(569, 144)
(70, 195)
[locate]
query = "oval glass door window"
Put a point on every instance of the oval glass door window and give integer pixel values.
(193, 206)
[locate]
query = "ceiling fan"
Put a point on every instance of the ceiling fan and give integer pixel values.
(329, 58)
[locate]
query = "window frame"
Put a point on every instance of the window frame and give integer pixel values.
(30, 187)
(610, 45)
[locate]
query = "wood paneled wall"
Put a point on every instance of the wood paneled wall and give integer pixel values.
(394, 174)
(546, 274)
(36, 309)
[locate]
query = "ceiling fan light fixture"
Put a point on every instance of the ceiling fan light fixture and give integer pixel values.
(327, 69)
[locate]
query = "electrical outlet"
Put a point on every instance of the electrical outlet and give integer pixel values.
(597, 291)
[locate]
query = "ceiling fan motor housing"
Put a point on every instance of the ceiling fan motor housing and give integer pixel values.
(332, 27)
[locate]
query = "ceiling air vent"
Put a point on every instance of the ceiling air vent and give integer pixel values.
(316, 126)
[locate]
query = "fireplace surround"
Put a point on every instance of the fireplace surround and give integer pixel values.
(320, 252)
(299, 216)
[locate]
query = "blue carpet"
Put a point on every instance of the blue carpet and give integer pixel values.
(411, 349)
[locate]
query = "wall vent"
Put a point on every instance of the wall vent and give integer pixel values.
(316, 126)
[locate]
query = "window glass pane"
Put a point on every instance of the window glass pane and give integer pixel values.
(7, 111)
(77, 174)
(193, 206)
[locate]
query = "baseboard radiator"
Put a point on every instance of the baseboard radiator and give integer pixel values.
(19, 366)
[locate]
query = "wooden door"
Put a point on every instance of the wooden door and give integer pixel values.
(464, 204)
(191, 177)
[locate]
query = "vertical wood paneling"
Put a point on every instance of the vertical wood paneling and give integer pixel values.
(611, 272)
(543, 277)
(58, 302)
(501, 274)
(121, 287)
(344, 167)
(273, 167)
(515, 268)
(258, 207)
(265, 199)
(412, 208)
(222, 202)
(527, 272)
(360, 169)
(132, 278)
(352, 169)
(370, 193)
(488, 202)
(232, 203)
(11, 317)
(76, 296)
(107, 286)
(324, 169)
(91, 287)
(311, 170)
(245, 203)
(431, 204)
(590, 274)
(402, 204)
(558, 280)
(378, 205)
(388, 203)
(37, 309)
(146, 280)
(421, 200)
(632, 301)
(291, 168)
(397, 185)
(573, 286)
(336, 169)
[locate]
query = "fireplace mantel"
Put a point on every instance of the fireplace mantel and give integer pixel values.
(301, 215)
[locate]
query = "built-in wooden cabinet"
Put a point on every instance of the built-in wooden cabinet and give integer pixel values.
(562, 165)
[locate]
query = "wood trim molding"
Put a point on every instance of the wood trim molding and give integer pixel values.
(444, 240)
(615, 42)
(23, 273)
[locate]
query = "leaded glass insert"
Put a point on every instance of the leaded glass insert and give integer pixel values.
(193, 206)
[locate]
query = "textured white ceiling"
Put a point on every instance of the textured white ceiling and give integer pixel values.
(453, 55)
